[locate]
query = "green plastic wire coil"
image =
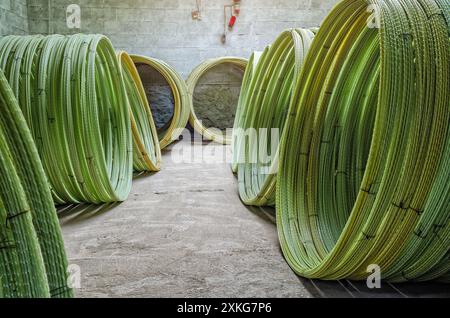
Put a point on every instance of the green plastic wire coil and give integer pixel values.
(146, 150)
(181, 99)
(263, 104)
(73, 98)
(33, 262)
(191, 82)
(241, 109)
(365, 163)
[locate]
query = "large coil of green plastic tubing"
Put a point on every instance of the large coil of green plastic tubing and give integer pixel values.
(211, 133)
(33, 262)
(364, 169)
(146, 150)
(73, 98)
(262, 112)
(241, 109)
(179, 91)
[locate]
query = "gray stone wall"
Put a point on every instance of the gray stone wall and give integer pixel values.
(159, 95)
(166, 30)
(216, 95)
(13, 17)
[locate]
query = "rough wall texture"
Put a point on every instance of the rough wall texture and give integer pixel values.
(216, 96)
(159, 95)
(165, 29)
(13, 17)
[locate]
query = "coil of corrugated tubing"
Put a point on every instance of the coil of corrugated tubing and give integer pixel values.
(365, 163)
(179, 91)
(146, 150)
(33, 262)
(263, 103)
(191, 82)
(73, 98)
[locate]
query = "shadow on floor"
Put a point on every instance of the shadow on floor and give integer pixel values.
(142, 174)
(74, 213)
(71, 213)
(359, 289)
(265, 212)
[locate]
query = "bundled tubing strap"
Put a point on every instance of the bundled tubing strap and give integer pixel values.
(179, 91)
(146, 150)
(364, 169)
(73, 98)
(32, 257)
(261, 115)
(196, 74)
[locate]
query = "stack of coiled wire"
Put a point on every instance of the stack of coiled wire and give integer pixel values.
(71, 93)
(74, 121)
(361, 175)
(262, 112)
(33, 262)
(147, 152)
(209, 133)
(363, 172)
(364, 166)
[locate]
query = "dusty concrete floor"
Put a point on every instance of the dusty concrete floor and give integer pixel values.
(183, 232)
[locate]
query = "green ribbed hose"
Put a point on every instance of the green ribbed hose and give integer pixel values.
(262, 112)
(33, 262)
(73, 98)
(241, 108)
(191, 82)
(364, 168)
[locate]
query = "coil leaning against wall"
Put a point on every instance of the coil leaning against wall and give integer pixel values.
(364, 168)
(73, 98)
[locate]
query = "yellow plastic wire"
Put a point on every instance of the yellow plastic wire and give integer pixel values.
(146, 150)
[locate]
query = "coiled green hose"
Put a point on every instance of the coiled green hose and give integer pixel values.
(73, 98)
(241, 109)
(364, 169)
(147, 153)
(179, 91)
(263, 105)
(191, 82)
(33, 262)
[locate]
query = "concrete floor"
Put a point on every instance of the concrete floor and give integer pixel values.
(183, 232)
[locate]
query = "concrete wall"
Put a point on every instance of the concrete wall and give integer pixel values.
(13, 17)
(165, 29)
(216, 95)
